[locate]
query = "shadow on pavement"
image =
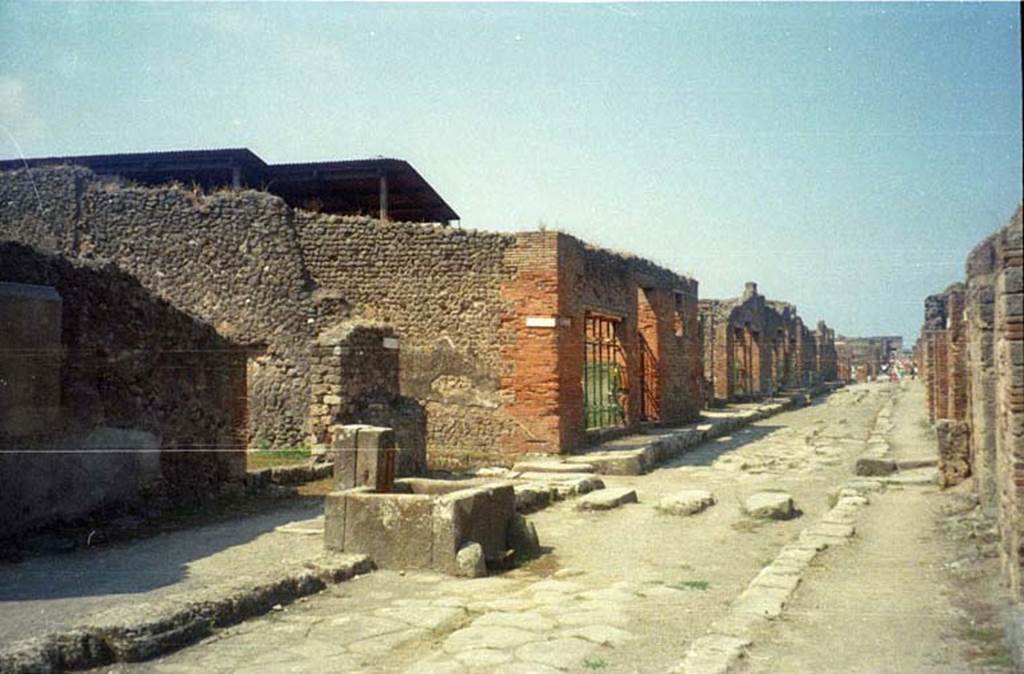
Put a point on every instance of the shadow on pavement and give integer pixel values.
(142, 565)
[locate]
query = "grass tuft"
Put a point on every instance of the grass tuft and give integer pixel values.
(690, 585)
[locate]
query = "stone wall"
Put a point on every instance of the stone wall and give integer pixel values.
(1009, 359)
(148, 397)
(229, 259)
(753, 347)
(972, 351)
(355, 378)
(486, 384)
(982, 264)
(826, 356)
(440, 288)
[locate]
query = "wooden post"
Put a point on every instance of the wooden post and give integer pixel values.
(383, 197)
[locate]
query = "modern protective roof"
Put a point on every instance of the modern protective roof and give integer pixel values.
(349, 187)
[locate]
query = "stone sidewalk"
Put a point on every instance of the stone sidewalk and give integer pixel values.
(143, 598)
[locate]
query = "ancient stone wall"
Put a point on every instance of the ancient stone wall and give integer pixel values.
(491, 324)
(826, 357)
(229, 259)
(631, 289)
(753, 347)
(972, 350)
(982, 264)
(440, 288)
(148, 399)
(1009, 359)
(956, 354)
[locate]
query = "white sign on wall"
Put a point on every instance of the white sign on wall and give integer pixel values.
(541, 321)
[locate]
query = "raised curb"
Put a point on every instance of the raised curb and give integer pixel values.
(157, 629)
(670, 444)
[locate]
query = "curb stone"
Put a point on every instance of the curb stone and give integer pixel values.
(170, 625)
(767, 594)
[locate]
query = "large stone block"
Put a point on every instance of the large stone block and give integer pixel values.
(394, 530)
(364, 456)
(423, 524)
(480, 514)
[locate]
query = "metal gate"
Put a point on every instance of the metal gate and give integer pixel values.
(604, 373)
(650, 405)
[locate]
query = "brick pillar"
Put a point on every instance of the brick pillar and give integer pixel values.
(956, 355)
(543, 395)
(982, 395)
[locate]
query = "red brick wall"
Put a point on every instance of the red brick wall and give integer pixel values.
(532, 375)
(559, 278)
(1009, 358)
(956, 355)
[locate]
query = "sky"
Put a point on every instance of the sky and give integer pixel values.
(846, 157)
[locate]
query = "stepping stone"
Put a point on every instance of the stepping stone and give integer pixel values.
(774, 505)
(606, 499)
(565, 485)
(686, 502)
(552, 467)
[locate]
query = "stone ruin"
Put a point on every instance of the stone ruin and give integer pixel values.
(108, 394)
(754, 347)
(451, 526)
(971, 352)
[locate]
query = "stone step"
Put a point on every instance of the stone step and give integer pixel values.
(623, 462)
(606, 499)
(555, 477)
(552, 467)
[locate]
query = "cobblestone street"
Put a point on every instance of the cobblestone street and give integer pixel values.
(637, 590)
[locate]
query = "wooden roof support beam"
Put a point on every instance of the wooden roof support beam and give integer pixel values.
(383, 197)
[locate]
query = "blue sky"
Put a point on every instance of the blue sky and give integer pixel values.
(844, 156)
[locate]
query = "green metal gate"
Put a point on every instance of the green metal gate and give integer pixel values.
(604, 373)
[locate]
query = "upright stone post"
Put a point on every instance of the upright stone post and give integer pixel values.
(364, 456)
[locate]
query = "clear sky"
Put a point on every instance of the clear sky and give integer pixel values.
(844, 156)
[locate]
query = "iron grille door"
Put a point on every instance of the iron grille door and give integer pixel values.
(603, 373)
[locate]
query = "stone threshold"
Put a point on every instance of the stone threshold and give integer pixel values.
(146, 631)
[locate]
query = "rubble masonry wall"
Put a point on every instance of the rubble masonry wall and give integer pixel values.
(145, 391)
